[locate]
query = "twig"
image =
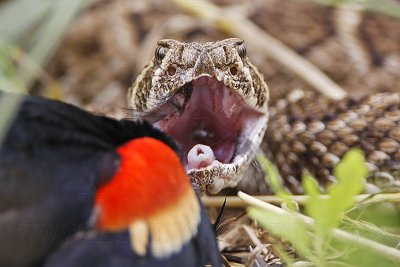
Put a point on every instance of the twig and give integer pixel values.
(235, 24)
(236, 202)
(252, 258)
(256, 241)
(340, 235)
(229, 237)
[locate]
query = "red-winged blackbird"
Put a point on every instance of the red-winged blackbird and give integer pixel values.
(64, 170)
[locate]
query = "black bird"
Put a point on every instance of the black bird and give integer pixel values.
(64, 171)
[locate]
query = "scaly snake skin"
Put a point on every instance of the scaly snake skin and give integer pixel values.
(309, 132)
(182, 63)
(306, 132)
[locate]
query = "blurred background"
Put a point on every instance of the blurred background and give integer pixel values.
(88, 51)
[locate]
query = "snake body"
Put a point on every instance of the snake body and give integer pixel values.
(310, 132)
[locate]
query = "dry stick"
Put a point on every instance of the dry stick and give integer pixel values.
(236, 24)
(256, 241)
(236, 202)
(252, 258)
(231, 236)
(340, 235)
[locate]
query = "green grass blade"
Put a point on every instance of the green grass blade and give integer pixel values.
(19, 18)
(8, 109)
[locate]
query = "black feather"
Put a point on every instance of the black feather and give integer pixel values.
(53, 157)
(114, 250)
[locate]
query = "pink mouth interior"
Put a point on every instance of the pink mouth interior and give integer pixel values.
(209, 128)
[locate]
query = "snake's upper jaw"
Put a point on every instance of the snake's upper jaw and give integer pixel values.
(217, 131)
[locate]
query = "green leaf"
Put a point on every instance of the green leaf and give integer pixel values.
(351, 173)
(316, 207)
(273, 178)
(310, 185)
(327, 213)
(9, 78)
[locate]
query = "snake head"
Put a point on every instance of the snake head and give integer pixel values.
(211, 100)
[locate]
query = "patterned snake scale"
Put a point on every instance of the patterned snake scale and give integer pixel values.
(306, 131)
(312, 132)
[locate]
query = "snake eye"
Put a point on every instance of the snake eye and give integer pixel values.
(160, 53)
(242, 50)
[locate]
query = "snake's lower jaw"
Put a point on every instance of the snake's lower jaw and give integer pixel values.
(216, 177)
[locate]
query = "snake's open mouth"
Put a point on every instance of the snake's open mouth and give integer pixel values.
(211, 100)
(213, 125)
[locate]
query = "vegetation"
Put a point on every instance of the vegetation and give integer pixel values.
(335, 233)
(27, 43)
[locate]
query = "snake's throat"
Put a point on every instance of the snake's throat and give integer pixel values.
(213, 126)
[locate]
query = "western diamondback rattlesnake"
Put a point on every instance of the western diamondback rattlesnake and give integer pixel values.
(214, 103)
(211, 100)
